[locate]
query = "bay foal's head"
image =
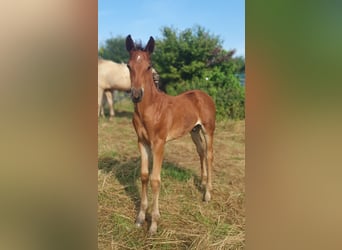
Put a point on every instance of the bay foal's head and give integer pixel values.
(140, 67)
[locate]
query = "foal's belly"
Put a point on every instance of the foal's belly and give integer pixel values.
(178, 132)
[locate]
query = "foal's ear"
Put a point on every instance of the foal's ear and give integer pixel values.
(129, 43)
(150, 45)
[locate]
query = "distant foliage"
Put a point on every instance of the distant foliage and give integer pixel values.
(194, 59)
(240, 64)
(228, 94)
(114, 49)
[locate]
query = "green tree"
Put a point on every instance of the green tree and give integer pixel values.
(184, 55)
(240, 64)
(195, 59)
(114, 49)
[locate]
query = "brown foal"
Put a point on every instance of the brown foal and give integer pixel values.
(159, 118)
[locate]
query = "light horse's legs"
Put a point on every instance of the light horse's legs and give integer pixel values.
(144, 151)
(99, 101)
(109, 95)
(102, 105)
(157, 151)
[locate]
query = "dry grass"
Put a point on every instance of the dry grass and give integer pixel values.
(186, 222)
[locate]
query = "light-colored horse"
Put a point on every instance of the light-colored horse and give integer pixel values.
(113, 76)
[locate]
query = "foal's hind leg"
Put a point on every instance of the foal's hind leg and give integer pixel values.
(209, 160)
(196, 138)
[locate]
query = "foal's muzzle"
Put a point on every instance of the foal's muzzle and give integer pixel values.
(136, 95)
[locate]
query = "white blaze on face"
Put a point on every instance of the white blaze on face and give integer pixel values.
(138, 58)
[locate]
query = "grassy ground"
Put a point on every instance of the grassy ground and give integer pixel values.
(186, 222)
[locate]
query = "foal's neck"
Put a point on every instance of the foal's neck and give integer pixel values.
(151, 93)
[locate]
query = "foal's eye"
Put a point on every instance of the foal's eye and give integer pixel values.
(149, 67)
(129, 67)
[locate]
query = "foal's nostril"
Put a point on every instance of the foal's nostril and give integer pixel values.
(136, 95)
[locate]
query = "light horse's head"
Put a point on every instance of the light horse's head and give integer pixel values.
(140, 67)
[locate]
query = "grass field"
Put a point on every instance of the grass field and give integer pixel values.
(186, 221)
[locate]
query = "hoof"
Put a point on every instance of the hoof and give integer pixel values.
(152, 231)
(139, 223)
(207, 197)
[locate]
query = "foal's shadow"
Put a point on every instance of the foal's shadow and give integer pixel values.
(181, 173)
(127, 172)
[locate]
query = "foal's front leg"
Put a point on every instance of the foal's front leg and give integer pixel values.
(144, 151)
(158, 151)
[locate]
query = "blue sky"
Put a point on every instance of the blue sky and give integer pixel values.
(145, 18)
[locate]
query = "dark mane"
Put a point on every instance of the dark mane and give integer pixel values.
(139, 46)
